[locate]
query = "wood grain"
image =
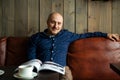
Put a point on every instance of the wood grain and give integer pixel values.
(26, 17)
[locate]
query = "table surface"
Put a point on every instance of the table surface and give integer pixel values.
(10, 71)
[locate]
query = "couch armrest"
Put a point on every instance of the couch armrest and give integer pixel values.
(90, 58)
(2, 50)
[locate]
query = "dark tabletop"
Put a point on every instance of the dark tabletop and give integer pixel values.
(9, 71)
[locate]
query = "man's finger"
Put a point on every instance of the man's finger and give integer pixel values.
(116, 36)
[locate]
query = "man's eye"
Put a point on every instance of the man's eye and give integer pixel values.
(52, 22)
(59, 23)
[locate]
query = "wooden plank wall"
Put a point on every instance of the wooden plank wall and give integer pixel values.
(26, 17)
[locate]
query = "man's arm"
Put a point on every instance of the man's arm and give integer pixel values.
(31, 50)
(32, 46)
(113, 37)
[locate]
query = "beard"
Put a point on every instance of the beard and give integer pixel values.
(53, 31)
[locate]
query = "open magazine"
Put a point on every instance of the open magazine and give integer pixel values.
(48, 65)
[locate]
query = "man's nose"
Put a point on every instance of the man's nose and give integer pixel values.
(56, 24)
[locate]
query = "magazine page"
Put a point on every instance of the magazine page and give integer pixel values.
(48, 65)
(34, 62)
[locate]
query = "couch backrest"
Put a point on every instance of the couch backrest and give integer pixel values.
(16, 51)
(90, 58)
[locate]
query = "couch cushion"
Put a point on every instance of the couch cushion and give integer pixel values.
(89, 59)
(16, 50)
(2, 50)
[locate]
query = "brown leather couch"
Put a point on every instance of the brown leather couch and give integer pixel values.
(13, 50)
(89, 59)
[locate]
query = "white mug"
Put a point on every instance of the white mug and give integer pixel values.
(25, 70)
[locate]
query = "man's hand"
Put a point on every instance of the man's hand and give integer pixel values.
(113, 37)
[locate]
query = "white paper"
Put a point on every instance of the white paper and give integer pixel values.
(48, 65)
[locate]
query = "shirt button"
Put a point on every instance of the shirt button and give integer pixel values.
(53, 39)
(53, 44)
(51, 59)
(52, 51)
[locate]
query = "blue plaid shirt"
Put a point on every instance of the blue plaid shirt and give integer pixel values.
(55, 48)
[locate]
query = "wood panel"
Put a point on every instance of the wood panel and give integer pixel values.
(57, 6)
(10, 17)
(21, 17)
(69, 15)
(7, 18)
(0, 18)
(26, 17)
(4, 19)
(45, 10)
(99, 16)
(33, 16)
(81, 16)
(116, 17)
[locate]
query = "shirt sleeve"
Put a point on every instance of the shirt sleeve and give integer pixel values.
(75, 36)
(95, 34)
(32, 47)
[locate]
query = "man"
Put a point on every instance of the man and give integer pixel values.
(52, 44)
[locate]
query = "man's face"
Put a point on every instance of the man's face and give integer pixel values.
(55, 23)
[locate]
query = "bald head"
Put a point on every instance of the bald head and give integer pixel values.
(54, 23)
(53, 14)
